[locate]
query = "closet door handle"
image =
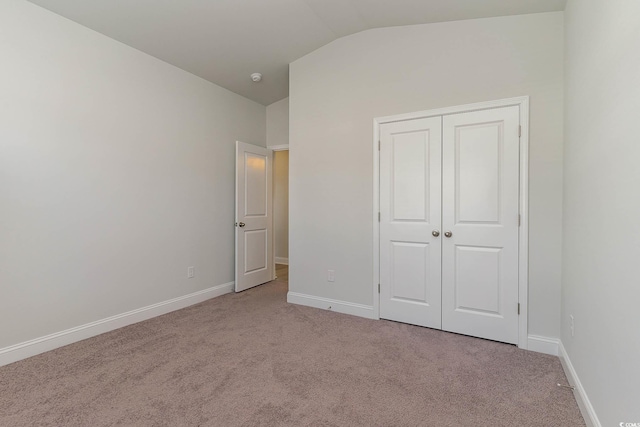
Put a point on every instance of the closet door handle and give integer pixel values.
(435, 233)
(448, 234)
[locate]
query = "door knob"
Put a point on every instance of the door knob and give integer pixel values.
(241, 224)
(435, 233)
(448, 234)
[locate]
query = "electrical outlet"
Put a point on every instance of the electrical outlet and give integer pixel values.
(572, 325)
(331, 276)
(191, 272)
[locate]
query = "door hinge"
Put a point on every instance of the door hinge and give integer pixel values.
(519, 220)
(378, 145)
(378, 216)
(518, 309)
(378, 287)
(519, 131)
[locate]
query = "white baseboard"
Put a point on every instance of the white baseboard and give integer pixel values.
(331, 304)
(588, 413)
(280, 260)
(544, 345)
(59, 339)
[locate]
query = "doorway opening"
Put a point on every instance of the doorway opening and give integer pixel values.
(281, 211)
(262, 214)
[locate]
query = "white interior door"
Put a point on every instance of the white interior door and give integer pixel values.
(449, 195)
(410, 191)
(480, 182)
(254, 222)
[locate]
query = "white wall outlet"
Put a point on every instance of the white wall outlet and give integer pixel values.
(191, 272)
(571, 325)
(331, 276)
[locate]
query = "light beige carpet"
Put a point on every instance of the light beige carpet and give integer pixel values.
(251, 359)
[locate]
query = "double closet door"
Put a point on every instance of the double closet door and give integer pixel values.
(449, 222)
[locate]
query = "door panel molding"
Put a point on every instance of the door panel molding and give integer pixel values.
(523, 199)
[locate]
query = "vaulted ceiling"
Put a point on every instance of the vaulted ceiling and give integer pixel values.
(224, 41)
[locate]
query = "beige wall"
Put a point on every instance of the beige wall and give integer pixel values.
(281, 205)
(336, 91)
(601, 285)
(116, 174)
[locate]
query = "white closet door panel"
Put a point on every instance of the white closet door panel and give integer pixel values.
(477, 173)
(410, 266)
(480, 208)
(477, 284)
(410, 192)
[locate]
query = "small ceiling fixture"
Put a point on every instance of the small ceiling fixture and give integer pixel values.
(256, 77)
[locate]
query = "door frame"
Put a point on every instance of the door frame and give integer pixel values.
(523, 202)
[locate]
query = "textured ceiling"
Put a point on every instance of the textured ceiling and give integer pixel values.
(224, 41)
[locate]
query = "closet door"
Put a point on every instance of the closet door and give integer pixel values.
(480, 176)
(410, 208)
